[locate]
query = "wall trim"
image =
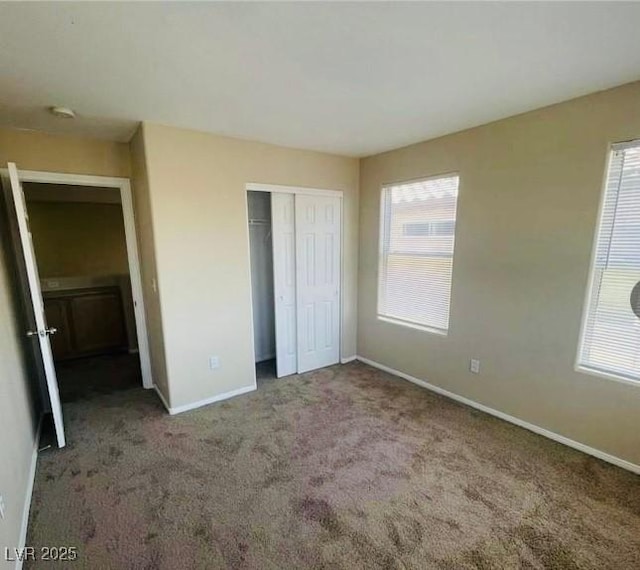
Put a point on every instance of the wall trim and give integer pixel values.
(348, 359)
(623, 463)
(162, 398)
(22, 540)
(200, 403)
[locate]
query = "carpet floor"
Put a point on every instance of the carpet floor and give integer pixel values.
(346, 467)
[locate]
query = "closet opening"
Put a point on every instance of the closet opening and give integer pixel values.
(261, 253)
(295, 239)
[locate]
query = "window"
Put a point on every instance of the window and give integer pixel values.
(610, 339)
(417, 231)
(434, 228)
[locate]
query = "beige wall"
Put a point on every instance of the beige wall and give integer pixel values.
(18, 413)
(529, 192)
(198, 207)
(147, 250)
(32, 150)
(74, 239)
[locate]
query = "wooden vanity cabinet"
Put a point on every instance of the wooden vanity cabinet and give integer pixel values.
(89, 322)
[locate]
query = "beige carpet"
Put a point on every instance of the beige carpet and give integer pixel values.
(346, 467)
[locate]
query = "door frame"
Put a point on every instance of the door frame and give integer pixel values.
(270, 188)
(133, 257)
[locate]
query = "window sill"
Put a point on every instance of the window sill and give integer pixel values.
(410, 325)
(607, 375)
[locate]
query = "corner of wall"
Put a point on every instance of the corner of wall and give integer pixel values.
(143, 206)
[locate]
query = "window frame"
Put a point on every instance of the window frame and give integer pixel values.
(588, 300)
(381, 257)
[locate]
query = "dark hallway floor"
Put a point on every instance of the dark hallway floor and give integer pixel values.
(84, 378)
(265, 372)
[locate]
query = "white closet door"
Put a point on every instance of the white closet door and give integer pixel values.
(318, 280)
(284, 280)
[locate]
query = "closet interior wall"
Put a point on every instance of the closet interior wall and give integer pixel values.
(260, 238)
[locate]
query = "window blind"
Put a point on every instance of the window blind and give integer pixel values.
(417, 235)
(610, 340)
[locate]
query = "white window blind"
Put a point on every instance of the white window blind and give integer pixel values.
(417, 234)
(610, 340)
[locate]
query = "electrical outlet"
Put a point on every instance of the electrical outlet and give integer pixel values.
(474, 366)
(2, 507)
(214, 362)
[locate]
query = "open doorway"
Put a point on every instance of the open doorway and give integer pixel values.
(99, 312)
(81, 252)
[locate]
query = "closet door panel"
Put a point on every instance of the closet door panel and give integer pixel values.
(318, 230)
(284, 279)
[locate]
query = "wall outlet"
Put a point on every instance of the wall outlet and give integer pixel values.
(474, 366)
(2, 507)
(214, 362)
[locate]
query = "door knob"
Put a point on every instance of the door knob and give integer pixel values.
(43, 333)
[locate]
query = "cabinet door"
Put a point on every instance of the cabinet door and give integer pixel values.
(55, 311)
(98, 321)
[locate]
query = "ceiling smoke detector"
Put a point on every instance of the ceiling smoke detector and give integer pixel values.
(63, 112)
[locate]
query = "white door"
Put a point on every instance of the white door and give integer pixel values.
(42, 332)
(284, 282)
(318, 225)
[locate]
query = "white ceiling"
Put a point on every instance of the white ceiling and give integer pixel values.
(349, 78)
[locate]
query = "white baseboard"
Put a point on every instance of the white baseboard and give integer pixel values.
(193, 405)
(623, 463)
(348, 359)
(22, 541)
